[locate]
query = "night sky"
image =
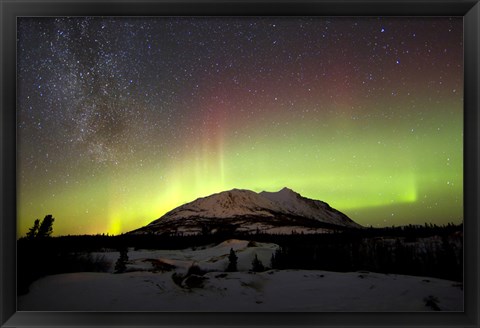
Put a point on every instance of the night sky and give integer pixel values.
(123, 119)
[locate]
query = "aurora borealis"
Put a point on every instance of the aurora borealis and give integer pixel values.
(123, 119)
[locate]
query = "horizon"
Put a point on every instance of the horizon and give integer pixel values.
(236, 189)
(121, 120)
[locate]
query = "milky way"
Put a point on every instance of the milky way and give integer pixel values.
(122, 119)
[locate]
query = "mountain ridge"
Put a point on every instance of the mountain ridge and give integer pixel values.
(243, 210)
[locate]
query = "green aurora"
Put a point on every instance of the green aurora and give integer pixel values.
(378, 138)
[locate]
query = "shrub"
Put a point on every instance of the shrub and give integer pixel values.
(195, 269)
(432, 302)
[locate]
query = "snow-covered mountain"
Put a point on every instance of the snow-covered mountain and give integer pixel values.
(247, 211)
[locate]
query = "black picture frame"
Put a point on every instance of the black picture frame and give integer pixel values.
(10, 10)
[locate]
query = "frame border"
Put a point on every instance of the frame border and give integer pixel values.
(11, 9)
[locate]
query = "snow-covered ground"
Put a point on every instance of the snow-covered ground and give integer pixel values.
(208, 258)
(148, 285)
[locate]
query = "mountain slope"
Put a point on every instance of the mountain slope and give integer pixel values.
(245, 211)
(294, 203)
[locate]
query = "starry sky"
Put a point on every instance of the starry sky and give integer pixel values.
(123, 119)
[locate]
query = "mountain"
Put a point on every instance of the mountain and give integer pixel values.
(239, 210)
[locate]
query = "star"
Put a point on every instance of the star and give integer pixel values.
(131, 117)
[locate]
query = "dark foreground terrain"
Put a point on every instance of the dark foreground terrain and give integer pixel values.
(427, 251)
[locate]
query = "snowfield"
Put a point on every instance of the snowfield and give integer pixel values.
(149, 285)
(212, 258)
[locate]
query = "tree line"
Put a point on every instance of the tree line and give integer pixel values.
(427, 250)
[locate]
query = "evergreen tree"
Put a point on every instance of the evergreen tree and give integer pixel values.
(46, 227)
(274, 261)
(232, 258)
(121, 264)
(32, 232)
(257, 265)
